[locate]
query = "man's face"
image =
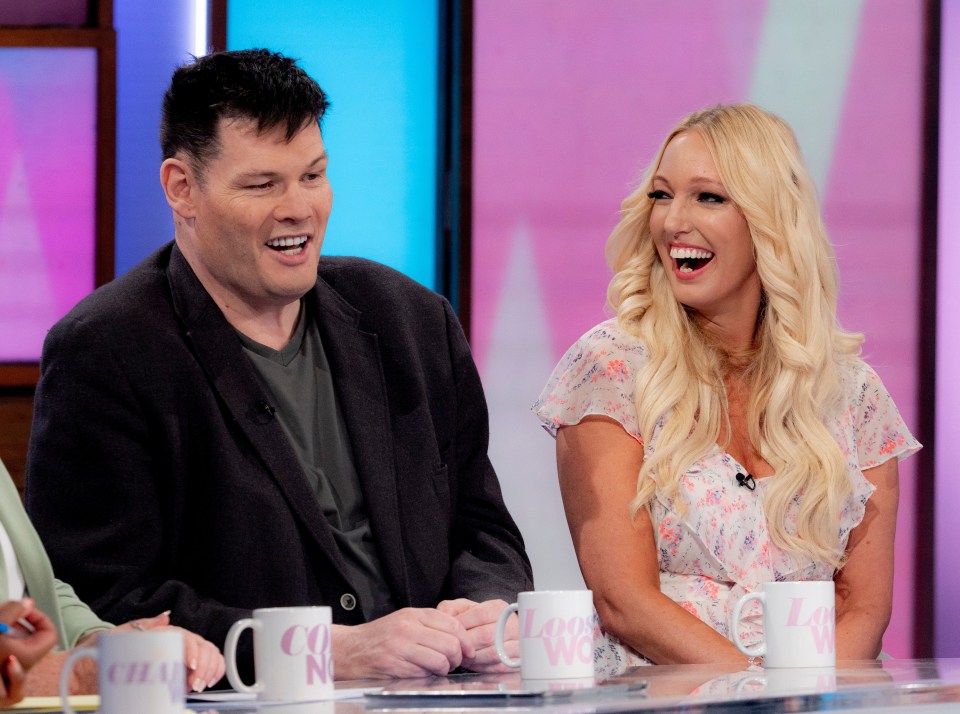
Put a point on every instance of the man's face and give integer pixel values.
(258, 215)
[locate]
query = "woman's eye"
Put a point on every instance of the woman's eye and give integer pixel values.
(707, 197)
(658, 195)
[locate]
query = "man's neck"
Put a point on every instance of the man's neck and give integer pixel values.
(273, 327)
(269, 323)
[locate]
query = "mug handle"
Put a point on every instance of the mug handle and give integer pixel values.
(71, 660)
(759, 650)
(498, 637)
(230, 656)
(755, 679)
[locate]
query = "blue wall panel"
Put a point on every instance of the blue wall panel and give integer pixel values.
(377, 60)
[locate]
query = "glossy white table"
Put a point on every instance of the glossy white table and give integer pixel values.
(887, 686)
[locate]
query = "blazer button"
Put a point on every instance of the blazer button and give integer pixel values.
(348, 601)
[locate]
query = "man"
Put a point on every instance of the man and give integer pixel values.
(236, 423)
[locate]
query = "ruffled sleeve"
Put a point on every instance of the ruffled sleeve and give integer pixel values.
(870, 433)
(880, 432)
(595, 377)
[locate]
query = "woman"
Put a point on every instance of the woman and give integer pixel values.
(25, 570)
(726, 407)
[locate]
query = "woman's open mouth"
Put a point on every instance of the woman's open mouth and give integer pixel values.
(689, 260)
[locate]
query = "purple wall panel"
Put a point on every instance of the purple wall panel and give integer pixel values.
(947, 580)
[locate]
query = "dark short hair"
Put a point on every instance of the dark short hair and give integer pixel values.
(263, 86)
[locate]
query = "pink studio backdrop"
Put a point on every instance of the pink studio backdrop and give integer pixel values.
(47, 190)
(572, 98)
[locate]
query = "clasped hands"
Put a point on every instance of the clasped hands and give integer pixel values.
(419, 642)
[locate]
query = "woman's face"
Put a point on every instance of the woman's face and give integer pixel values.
(701, 236)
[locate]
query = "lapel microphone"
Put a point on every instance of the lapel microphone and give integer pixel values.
(746, 482)
(263, 411)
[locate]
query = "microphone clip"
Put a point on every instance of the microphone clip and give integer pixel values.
(263, 411)
(746, 481)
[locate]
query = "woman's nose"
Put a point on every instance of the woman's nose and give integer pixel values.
(677, 219)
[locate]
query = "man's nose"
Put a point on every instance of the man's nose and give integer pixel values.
(293, 206)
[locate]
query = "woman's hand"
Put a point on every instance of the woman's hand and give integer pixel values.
(204, 663)
(30, 633)
(203, 660)
(12, 678)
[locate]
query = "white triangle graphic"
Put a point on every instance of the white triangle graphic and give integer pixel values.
(27, 308)
(517, 366)
(802, 68)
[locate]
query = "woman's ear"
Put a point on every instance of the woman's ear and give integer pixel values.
(179, 183)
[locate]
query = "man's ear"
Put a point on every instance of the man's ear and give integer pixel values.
(179, 183)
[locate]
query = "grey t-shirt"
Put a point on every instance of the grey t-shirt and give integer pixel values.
(301, 385)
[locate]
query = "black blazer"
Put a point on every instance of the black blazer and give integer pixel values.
(159, 480)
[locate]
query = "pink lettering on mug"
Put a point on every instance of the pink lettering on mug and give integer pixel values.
(313, 643)
(821, 621)
(566, 641)
(168, 674)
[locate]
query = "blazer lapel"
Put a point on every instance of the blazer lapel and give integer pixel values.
(239, 387)
(354, 356)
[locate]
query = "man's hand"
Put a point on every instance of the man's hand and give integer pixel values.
(479, 619)
(31, 633)
(413, 642)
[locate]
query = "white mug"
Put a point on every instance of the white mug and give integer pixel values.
(136, 672)
(556, 634)
(799, 624)
(292, 654)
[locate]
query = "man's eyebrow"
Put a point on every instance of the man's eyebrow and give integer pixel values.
(265, 173)
(253, 175)
(321, 158)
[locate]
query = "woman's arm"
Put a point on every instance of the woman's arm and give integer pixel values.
(598, 463)
(865, 583)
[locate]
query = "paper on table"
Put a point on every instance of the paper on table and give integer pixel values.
(233, 696)
(80, 702)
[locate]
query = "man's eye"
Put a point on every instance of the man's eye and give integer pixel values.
(658, 195)
(260, 186)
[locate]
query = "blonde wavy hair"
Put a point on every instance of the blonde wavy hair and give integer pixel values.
(793, 373)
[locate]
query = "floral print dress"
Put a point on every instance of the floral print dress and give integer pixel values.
(720, 548)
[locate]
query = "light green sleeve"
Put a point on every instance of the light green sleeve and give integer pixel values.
(78, 619)
(70, 615)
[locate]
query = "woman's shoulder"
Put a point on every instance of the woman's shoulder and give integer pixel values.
(595, 376)
(860, 382)
(878, 429)
(610, 337)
